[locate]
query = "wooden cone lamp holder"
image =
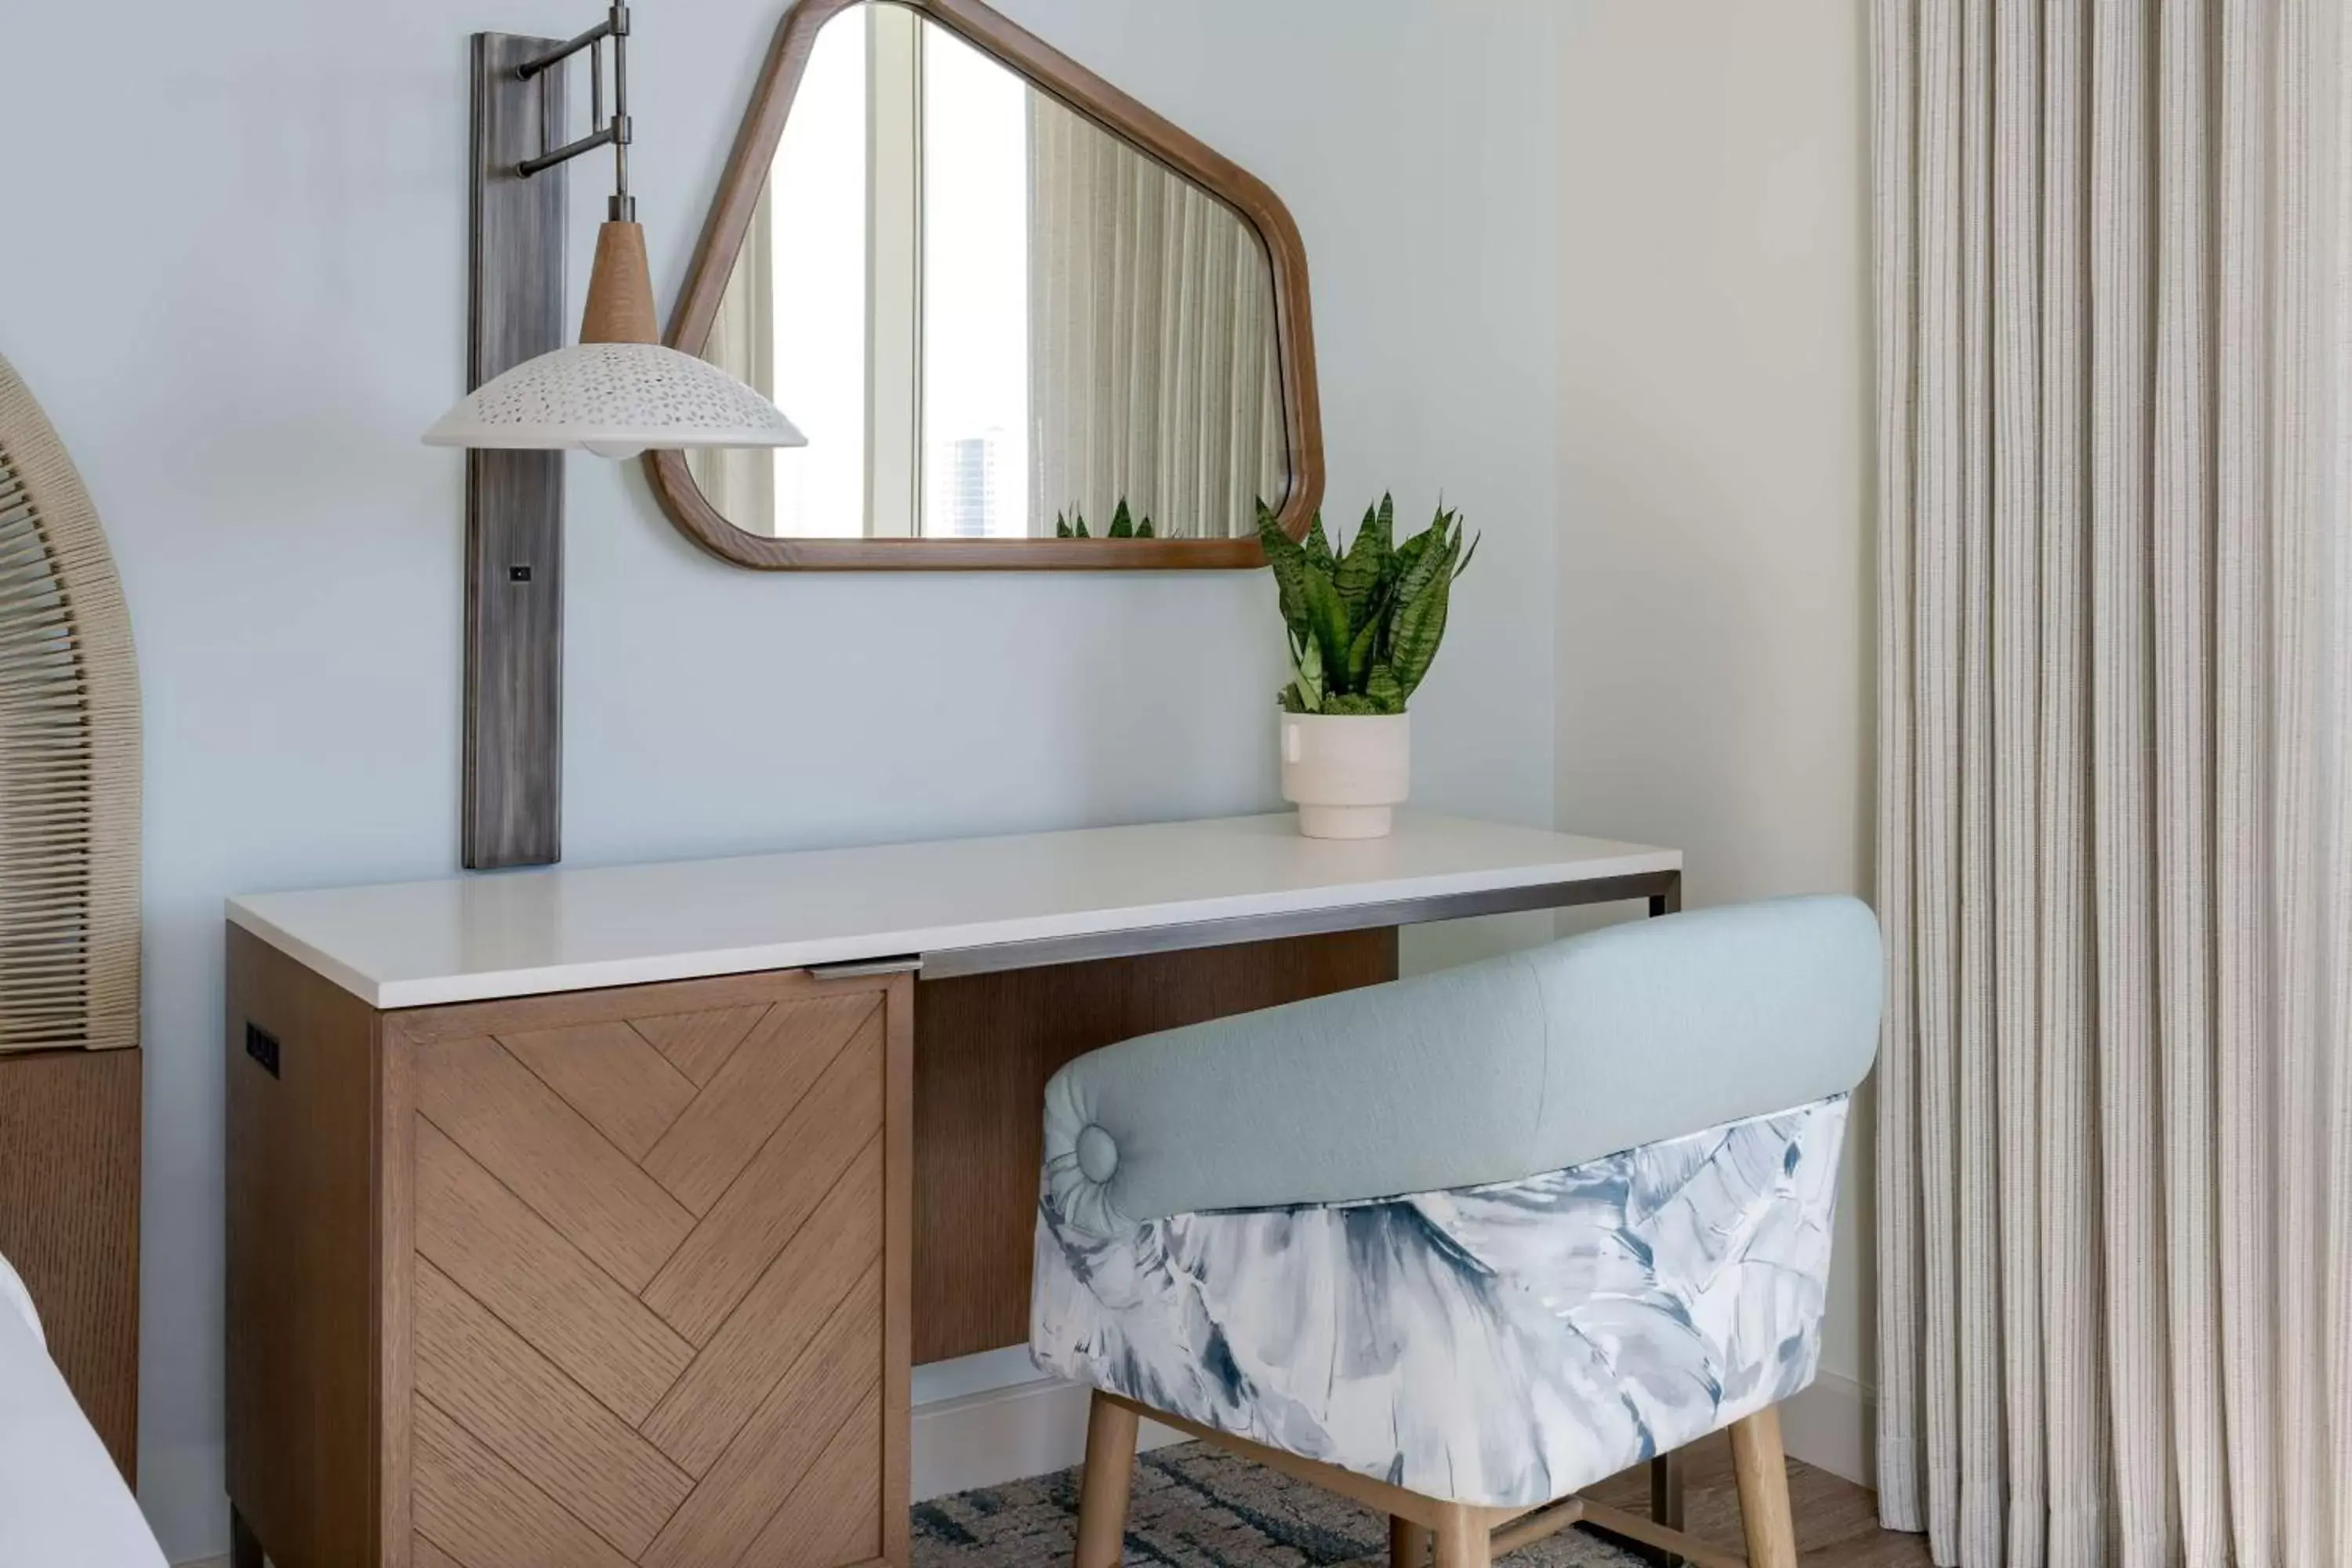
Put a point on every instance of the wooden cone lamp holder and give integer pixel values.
(620, 308)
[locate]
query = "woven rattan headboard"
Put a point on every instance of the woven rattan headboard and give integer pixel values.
(69, 753)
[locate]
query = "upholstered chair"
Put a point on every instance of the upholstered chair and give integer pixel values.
(1459, 1246)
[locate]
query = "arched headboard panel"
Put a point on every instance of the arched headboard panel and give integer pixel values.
(69, 753)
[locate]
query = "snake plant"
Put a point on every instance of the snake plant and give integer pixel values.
(1123, 524)
(1364, 621)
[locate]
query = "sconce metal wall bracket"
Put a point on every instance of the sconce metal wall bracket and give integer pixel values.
(614, 132)
(618, 392)
(513, 792)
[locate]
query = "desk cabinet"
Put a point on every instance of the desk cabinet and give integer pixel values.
(583, 1281)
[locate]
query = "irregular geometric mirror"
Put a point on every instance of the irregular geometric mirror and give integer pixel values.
(999, 296)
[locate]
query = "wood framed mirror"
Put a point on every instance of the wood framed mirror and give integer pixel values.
(999, 295)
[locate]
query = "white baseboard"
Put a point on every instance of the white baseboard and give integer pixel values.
(202, 1562)
(1834, 1425)
(1000, 1436)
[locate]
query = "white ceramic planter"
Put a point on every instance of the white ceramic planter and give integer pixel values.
(1346, 772)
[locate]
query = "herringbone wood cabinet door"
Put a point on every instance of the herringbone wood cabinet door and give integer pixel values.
(656, 1284)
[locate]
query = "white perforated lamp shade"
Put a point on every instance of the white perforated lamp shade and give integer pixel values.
(616, 400)
(617, 393)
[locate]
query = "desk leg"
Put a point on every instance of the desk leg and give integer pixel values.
(244, 1546)
(1667, 1469)
(1666, 1505)
(1669, 902)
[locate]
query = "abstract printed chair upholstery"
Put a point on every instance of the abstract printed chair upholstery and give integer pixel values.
(1458, 1246)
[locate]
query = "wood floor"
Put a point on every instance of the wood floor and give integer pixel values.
(1837, 1522)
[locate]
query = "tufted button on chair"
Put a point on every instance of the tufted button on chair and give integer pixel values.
(1459, 1246)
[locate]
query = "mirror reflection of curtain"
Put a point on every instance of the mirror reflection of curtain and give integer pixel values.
(741, 482)
(1152, 368)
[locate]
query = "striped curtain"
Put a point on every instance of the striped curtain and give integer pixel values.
(2115, 1146)
(1151, 341)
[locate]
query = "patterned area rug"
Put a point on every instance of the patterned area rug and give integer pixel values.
(1193, 1507)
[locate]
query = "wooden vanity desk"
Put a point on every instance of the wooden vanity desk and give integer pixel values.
(597, 1217)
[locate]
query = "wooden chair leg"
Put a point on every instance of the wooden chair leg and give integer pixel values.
(1763, 1473)
(1408, 1543)
(1102, 1491)
(1461, 1538)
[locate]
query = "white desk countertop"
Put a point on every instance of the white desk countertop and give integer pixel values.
(474, 938)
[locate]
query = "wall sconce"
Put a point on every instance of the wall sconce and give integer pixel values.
(617, 393)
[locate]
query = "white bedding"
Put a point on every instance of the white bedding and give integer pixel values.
(13, 1294)
(62, 1502)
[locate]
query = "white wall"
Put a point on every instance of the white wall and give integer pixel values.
(1715, 552)
(236, 278)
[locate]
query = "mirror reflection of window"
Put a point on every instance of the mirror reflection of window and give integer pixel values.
(975, 350)
(820, 354)
(985, 310)
(810, 361)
